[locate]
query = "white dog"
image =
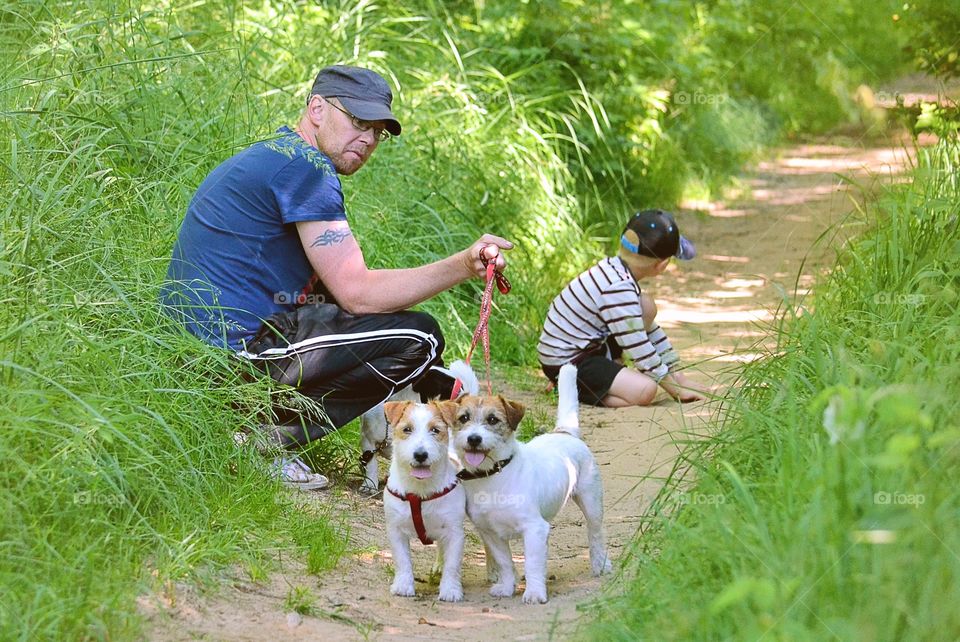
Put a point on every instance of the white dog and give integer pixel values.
(375, 436)
(423, 497)
(515, 489)
(375, 440)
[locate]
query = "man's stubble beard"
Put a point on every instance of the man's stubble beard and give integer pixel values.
(345, 166)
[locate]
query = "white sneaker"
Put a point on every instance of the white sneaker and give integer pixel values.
(296, 474)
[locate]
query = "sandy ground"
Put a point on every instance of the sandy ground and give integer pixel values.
(753, 250)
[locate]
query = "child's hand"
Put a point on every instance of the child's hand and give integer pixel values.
(682, 388)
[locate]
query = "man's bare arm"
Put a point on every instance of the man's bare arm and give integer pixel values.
(338, 261)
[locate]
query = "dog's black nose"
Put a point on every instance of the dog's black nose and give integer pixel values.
(420, 456)
(474, 440)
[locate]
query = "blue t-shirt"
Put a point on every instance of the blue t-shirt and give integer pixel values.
(238, 257)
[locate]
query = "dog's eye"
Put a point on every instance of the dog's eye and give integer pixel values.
(434, 431)
(493, 420)
(407, 430)
(464, 418)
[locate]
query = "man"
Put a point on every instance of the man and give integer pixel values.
(267, 231)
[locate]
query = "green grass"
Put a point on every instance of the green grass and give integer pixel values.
(833, 482)
(116, 454)
(300, 600)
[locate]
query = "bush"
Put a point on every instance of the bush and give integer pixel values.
(932, 29)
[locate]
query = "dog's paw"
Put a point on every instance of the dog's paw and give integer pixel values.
(502, 590)
(452, 593)
(535, 595)
(403, 586)
(602, 566)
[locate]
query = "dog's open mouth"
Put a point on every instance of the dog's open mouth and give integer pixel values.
(421, 472)
(474, 457)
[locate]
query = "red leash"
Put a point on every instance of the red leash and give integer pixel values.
(482, 333)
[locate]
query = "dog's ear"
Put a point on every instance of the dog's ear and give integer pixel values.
(448, 410)
(514, 411)
(394, 410)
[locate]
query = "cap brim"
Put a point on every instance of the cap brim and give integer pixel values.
(686, 251)
(369, 110)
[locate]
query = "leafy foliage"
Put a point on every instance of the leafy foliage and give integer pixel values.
(117, 457)
(933, 28)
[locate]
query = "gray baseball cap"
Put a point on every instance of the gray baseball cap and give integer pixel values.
(362, 92)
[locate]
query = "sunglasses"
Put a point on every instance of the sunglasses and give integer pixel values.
(359, 124)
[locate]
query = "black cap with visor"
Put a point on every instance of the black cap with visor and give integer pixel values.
(362, 92)
(654, 233)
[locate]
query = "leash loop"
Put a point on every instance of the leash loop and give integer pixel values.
(482, 332)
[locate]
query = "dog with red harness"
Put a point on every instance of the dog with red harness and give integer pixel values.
(423, 498)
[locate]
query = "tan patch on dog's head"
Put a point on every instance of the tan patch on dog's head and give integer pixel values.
(405, 417)
(449, 410)
(497, 414)
(394, 410)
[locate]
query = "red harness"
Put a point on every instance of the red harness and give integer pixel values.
(415, 502)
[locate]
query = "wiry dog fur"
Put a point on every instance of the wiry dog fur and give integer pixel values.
(420, 464)
(522, 498)
(375, 438)
(374, 432)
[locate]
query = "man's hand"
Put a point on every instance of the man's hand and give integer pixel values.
(682, 388)
(488, 246)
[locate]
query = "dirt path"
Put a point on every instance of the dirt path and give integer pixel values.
(750, 252)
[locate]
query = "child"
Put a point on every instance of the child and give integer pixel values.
(602, 315)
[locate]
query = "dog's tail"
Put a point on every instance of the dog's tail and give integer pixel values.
(568, 407)
(462, 371)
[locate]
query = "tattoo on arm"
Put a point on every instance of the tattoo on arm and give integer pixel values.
(331, 237)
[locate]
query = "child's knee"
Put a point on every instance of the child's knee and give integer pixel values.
(633, 388)
(645, 396)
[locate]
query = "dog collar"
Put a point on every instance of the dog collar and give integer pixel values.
(497, 467)
(415, 512)
(368, 455)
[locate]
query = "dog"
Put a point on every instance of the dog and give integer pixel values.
(423, 497)
(375, 440)
(374, 432)
(514, 489)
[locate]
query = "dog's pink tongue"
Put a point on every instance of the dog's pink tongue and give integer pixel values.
(421, 473)
(474, 458)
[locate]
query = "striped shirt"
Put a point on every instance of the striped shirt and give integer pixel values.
(602, 302)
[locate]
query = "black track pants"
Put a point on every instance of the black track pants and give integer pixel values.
(349, 363)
